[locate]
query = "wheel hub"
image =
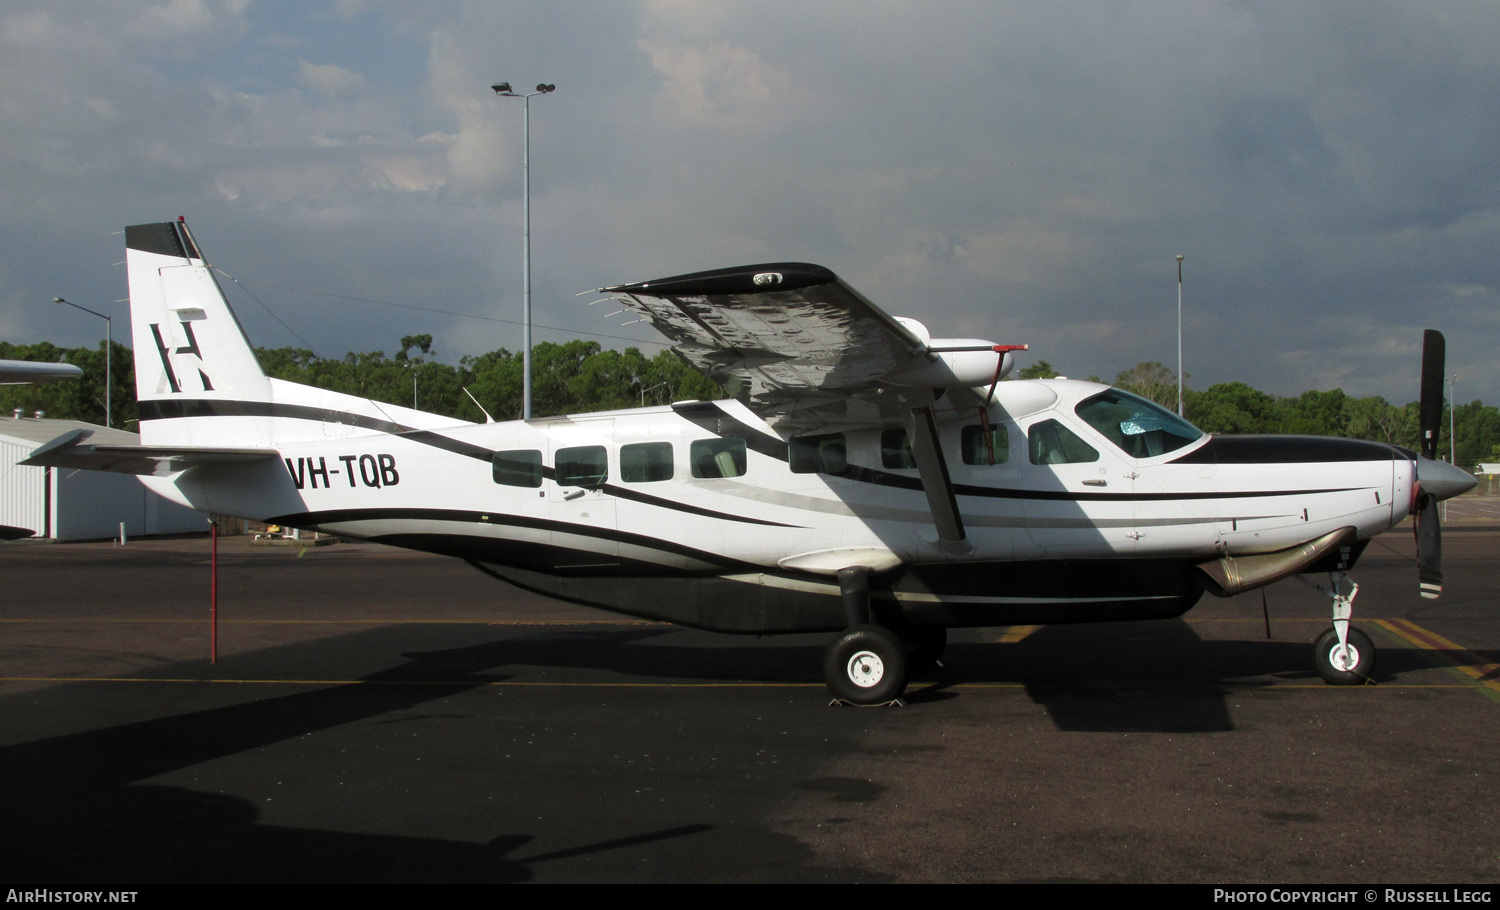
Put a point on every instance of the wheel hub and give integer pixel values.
(866, 669)
(1344, 659)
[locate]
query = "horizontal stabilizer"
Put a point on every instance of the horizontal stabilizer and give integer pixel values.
(69, 451)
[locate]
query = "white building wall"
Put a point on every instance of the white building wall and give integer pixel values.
(84, 505)
(23, 490)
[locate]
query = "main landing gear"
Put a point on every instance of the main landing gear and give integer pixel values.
(1344, 655)
(868, 664)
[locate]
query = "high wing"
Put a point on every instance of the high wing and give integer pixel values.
(22, 372)
(803, 347)
(791, 337)
(68, 451)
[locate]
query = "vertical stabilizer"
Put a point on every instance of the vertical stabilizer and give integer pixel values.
(190, 352)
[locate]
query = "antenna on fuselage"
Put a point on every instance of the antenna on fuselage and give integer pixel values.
(487, 417)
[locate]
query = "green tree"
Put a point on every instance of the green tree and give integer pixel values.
(1231, 407)
(1039, 370)
(1152, 381)
(74, 399)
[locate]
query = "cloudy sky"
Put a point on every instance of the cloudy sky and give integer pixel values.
(1023, 172)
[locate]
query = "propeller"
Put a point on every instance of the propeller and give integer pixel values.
(1430, 421)
(1434, 350)
(1436, 480)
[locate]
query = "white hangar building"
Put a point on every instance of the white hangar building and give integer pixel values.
(80, 505)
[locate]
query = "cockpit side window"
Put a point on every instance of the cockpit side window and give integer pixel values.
(1141, 428)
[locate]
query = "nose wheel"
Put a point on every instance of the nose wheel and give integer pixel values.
(1343, 655)
(1347, 663)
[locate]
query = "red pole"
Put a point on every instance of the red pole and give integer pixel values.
(213, 597)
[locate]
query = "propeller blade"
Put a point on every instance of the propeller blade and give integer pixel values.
(1429, 548)
(1431, 403)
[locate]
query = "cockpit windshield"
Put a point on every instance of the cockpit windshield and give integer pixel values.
(1143, 429)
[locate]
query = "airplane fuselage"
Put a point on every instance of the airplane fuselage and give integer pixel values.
(704, 514)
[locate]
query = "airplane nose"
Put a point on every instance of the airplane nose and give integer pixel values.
(1442, 480)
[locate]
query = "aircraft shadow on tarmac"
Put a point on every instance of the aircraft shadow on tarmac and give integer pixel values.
(78, 812)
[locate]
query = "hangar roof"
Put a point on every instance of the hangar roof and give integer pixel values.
(35, 431)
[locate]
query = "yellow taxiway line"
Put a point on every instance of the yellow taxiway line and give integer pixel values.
(1447, 654)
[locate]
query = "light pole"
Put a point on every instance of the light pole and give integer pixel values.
(1179, 336)
(1452, 406)
(1452, 441)
(652, 389)
(108, 344)
(503, 90)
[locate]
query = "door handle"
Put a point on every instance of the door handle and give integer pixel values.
(1096, 483)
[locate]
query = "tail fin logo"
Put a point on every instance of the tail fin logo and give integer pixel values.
(189, 350)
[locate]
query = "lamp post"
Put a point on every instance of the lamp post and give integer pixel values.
(1179, 336)
(1452, 406)
(108, 344)
(503, 90)
(652, 389)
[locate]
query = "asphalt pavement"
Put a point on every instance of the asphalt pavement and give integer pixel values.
(378, 715)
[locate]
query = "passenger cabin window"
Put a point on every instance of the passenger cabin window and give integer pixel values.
(582, 466)
(895, 450)
(1052, 443)
(717, 457)
(1143, 429)
(646, 462)
(979, 447)
(517, 467)
(825, 454)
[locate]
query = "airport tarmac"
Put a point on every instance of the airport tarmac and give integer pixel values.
(378, 715)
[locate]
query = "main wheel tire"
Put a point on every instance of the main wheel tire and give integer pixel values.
(866, 665)
(924, 645)
(1338, 668)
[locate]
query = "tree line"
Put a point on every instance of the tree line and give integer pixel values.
(580, 376)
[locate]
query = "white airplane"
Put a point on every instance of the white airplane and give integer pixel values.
(867, 479)
(25, 372)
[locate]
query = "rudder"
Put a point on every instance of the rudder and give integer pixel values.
(188, 343)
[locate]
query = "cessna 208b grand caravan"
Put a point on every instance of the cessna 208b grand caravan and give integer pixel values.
(866, 479)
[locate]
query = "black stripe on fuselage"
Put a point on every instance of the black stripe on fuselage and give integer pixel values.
(714, 419)
(173, 408)
(709, 416)
(322, 520)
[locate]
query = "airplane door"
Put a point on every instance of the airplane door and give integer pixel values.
(580, 507)
(1080, 498)
(1176, 509)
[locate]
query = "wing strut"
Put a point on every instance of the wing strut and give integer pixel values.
(922, 430)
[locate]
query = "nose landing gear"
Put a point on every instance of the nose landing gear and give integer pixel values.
(1343, 655)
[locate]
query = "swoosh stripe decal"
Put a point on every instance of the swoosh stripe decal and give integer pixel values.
(340, 516)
